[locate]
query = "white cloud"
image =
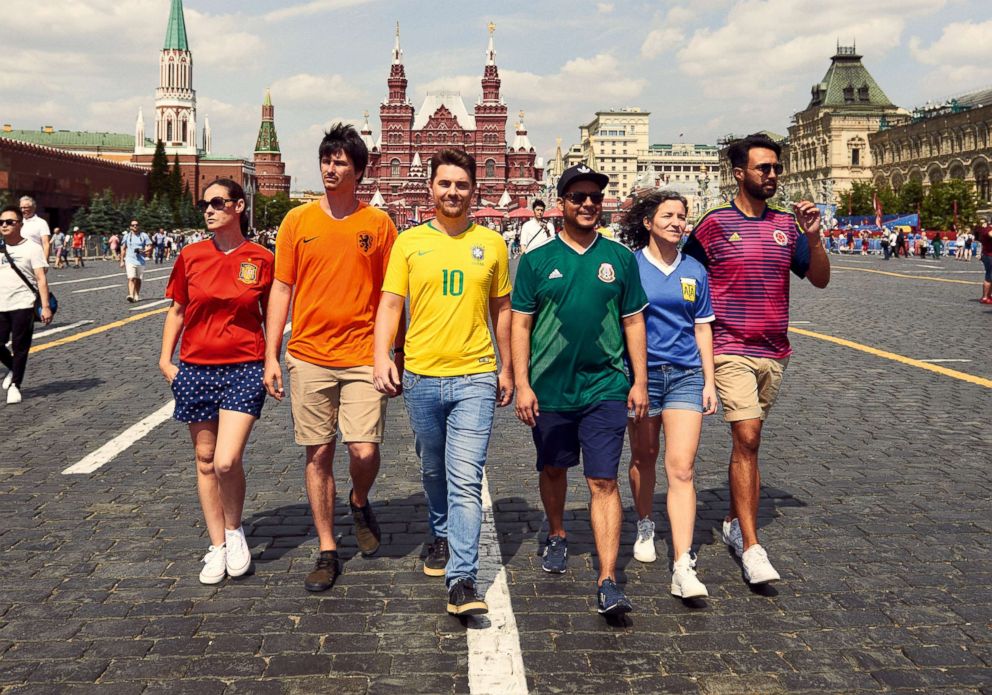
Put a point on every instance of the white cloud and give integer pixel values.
(313, 7)
(960, 43)
(306, 88)
(605, 7)
(661, 41)
(765, 45)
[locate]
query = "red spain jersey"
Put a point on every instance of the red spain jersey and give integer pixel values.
(225, 295)
(748, 260)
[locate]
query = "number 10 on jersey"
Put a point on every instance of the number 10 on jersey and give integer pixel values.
(453, 283)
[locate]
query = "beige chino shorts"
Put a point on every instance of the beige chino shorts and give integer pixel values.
(747, 385)
(325, 399)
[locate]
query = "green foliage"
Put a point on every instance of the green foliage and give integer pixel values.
(157, 213)
(938, 205)
(158, 178)
(270, 210)
(911, 196)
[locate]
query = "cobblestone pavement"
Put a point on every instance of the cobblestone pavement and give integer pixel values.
(875, 508)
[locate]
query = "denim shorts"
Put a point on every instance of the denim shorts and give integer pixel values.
(674, 388)
(597, 431)
(203, 390)
(987, 262)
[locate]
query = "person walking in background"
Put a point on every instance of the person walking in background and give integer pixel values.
(983, 236)
(58, 242)
(219, 289)
(135, 247)
(680, 378)
(78, 247)
(22, 281)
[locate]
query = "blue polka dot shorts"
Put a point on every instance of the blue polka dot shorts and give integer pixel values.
(202, 390)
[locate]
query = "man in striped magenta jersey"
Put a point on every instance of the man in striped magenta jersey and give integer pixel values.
(748, 248)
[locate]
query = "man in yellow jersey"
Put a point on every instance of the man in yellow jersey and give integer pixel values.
(453, 272)
(331, 256)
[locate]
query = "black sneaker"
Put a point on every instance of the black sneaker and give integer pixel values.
(325, 571)
(555, 555)
(437, 558)
(463, 600)
(366, 527)
(610, 600)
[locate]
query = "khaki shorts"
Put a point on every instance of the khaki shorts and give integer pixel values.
(134, 272)
(747, 385)
(327, 398)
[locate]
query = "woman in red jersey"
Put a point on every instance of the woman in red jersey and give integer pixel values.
(219, 289)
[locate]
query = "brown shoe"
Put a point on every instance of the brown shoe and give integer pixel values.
(325, 572)
(366, 527)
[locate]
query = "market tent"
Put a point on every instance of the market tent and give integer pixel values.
(521, 213)
(488, 213)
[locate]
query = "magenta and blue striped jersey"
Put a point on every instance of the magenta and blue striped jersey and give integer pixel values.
(748, 260)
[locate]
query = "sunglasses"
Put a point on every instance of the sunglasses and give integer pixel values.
(578, 197)
(8, 223)
(217, 203)
(767, 168)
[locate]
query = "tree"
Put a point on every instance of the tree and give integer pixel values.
(156, 214)
(189, 215)
(938, 205)
(158, 178)
(176, 191)
(103, 214)
(910, 196)
(858, 200)
(270, 210)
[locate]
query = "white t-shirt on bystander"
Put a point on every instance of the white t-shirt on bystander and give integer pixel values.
(35, 228)
(14, 294)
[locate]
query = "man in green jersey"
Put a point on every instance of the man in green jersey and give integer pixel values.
(576, 313)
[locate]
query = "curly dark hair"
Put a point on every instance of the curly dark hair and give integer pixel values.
(633, 233)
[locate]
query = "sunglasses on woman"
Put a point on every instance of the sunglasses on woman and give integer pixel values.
(217, 203)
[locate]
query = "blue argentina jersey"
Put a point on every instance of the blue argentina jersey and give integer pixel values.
(678, 299)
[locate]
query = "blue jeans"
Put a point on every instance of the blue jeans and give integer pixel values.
(452, 418)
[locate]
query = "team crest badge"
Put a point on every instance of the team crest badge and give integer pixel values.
(735, 237)
(780, 238)
(478, 253)
(606, 273)
(248, 273)
(365, 242)
(689, 289)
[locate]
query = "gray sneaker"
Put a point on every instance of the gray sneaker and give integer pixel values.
(732, 536)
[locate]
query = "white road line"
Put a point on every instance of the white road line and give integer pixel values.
(52, 331)
(798, 323)
(121, 442)
(944, 360)
(150, 304)
(495, 664)
(98, 277)
(94, 289)
(107, 287)
(133, 434)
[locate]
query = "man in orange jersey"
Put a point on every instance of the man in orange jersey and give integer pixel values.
(331, 257)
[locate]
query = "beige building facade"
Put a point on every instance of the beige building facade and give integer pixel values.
(952, 140)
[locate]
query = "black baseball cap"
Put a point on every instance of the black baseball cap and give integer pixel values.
(580, 172)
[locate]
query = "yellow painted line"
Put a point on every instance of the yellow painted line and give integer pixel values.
(903, 275)
(944, 371)
(99, 329)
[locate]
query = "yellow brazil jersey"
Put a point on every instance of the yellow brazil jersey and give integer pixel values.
(449, 280)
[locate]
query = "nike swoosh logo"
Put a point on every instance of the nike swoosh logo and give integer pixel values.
(307, 241)
(423, 253)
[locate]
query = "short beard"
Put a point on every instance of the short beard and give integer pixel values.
(757, 191)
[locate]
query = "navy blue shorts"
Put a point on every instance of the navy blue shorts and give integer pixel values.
(203, 390)
(597, 430)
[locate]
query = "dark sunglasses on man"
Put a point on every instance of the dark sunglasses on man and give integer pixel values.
(217, 203)
(766, 168)
(579, 197)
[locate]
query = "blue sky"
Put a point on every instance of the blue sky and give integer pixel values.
(703, 68)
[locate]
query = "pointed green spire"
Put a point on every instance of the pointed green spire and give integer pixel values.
(175, 33)
(268, 98)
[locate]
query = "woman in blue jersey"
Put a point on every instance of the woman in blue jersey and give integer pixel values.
(680, 378)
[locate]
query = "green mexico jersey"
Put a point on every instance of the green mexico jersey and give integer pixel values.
(578, 301)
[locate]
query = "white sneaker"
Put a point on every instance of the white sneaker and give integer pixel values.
(644, 545)
(684, 581)
(238, 557)
(8, 380)
(732, 536)
(757, 568)
(213, 566)
(13, 395)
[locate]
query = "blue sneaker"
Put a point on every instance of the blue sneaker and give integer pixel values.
(611, 600)
(555, 555)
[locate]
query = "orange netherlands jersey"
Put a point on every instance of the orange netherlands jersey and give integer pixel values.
(337, 268)
(225, 296)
